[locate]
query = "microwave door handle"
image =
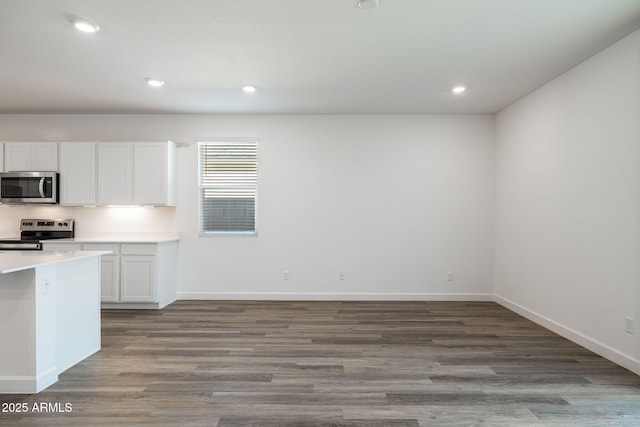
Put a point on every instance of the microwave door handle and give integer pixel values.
(41, 187)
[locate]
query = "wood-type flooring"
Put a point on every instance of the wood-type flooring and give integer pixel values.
(251, 363)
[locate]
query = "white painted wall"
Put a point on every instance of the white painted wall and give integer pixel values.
(393, 201)
(567, 223)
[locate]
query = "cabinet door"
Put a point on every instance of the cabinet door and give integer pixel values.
(109, 278)
(1, 157)
(109, 270)
(153, 173)
(115, 184)
(31, 156)
(44, 156)
(18, 156)
(77, 173)
(149, 173)
(137, 278)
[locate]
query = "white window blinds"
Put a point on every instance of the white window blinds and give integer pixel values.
(228, 186)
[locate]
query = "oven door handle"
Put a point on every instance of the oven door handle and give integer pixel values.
(41, 187)
(21, 246)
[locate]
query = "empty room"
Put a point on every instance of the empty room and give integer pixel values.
(320, 213)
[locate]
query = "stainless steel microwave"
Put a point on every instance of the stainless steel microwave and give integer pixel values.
(29, 187)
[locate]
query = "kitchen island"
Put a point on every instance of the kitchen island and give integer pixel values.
(49, 315)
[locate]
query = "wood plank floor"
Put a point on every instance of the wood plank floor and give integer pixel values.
(212, 363)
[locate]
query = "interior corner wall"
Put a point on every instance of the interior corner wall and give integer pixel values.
(396, 202)
(567, 223)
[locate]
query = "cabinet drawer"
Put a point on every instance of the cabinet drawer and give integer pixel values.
(138, 249)
(61, 246)
(102, 247)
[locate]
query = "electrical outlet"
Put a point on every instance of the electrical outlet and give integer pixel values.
(629, 325)
(450, 276)
(341, 275)
(285, 275)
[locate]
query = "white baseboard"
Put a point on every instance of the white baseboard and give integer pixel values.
(597, 347)
(130, 305)
(17, 384)
(24, 384)
(330, 296)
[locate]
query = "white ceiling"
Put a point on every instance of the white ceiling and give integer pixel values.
(306, 56)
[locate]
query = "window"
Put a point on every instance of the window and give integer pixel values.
(228, 183)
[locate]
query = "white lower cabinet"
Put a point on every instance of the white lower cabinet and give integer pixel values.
(138, 273)
(110, 279)
(109, 270)
(135, 275)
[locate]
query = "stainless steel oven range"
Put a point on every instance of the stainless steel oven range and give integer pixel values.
(33, 231)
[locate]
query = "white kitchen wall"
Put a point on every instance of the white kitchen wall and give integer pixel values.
(567, 203)
(394, 202)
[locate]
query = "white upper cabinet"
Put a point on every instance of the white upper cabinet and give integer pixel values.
(31, 156)
(138, 173)
(78, 173)
(44, 156)
(154, 173)
(18, 156)
(115, 177)
(102, 173)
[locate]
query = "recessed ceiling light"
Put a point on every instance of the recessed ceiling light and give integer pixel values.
(249, 88)
(458, 89)
(84, 25)
(368, 4)
(154, 82)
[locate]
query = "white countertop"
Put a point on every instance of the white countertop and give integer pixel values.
(11, 261)
(123, 238)
(116, 238)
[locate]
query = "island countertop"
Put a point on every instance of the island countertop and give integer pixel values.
(12, 261)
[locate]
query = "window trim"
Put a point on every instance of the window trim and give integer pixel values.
(201, 232)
